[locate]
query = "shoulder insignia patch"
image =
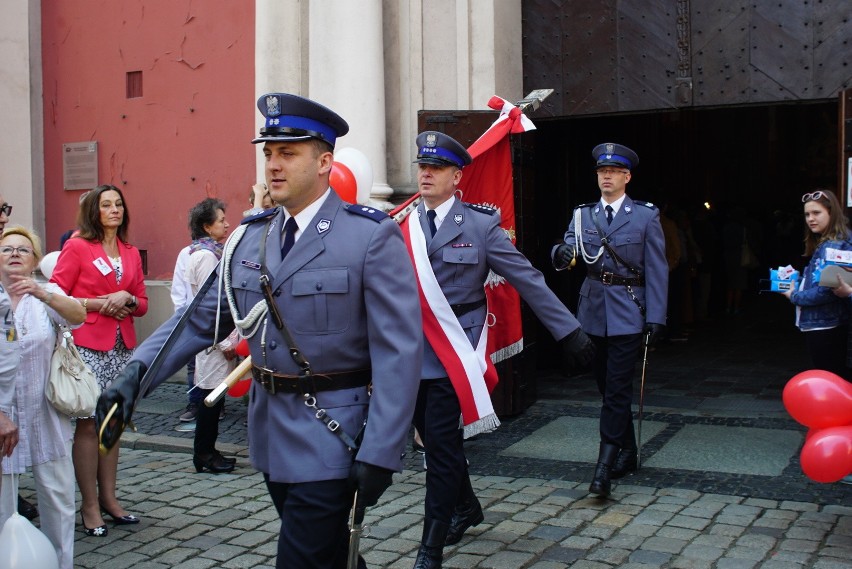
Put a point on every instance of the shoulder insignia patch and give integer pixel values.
(262, 215)
(481, 208)
(376, 215)
(649, 205)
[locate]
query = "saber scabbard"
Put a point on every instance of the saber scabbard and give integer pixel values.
(356, 528)
(646, 340)
(228, 382)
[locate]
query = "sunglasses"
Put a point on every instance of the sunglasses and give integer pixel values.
(813, 197)
(6, 209)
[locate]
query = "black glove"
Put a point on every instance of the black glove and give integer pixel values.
(578, 351)
(653, 332)
(123, 392)
(370, 481)
(563, 256)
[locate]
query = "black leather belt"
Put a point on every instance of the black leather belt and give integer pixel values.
(613, 279)
(277, 382)
(462, 309)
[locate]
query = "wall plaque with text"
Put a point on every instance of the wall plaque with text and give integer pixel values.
(80, 165)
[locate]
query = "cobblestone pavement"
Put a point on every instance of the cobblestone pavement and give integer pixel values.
(720, 486)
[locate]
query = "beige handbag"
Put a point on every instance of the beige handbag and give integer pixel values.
(71, 387)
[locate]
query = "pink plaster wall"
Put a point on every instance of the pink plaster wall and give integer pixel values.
(188, 137)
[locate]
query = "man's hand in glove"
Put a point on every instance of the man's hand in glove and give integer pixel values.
(122, 392)
(563, 257)
(653, 332)
(370, 481)
(578, 351)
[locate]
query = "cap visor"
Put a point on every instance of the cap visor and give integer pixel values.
(435, 162)
(603, 163)
(281, 138)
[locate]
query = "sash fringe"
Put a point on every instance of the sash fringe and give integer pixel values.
(484, 424)
(508, 351)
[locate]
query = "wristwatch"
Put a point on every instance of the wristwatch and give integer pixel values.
(132, 303)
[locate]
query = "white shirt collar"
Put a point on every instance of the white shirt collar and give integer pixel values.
(616, 205)
(304, 217)
(442, 210)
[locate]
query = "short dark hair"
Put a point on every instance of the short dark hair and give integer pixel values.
(89, 215)
(203, 213)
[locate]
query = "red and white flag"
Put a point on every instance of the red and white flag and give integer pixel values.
(488, 181)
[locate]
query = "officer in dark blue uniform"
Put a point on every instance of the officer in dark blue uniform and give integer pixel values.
(459, 243)
(330, 309)
(622, 299)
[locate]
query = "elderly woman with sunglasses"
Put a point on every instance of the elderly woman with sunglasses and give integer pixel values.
(820, 314)
(45, 434)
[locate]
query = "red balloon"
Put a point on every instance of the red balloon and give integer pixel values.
(242, 348)
(819, 399)
(827, 454)
(342, 181)
(240, 388)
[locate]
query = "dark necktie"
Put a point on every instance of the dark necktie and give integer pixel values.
(608, 214)
(431, 215)
(290, 228)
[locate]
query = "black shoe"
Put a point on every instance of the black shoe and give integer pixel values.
(625, 463)
(431, 552)
(26, 509)
(127, 520)
(212, 462)
(188, 416)
(228, 459)
(99, 531)
(462, 520)
(601, 482)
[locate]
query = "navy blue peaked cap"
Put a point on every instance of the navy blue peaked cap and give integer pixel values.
(611, 154)
(292, 118)
(441, 150)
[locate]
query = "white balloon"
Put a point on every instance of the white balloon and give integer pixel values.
(23, 546)
(48, 263)
(359, 164)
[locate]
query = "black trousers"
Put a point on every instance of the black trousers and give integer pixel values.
(314, 523)
(614, 366)
(827, 349)
(206, 425)
(436, 416)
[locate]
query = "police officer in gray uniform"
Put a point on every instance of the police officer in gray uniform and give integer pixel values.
(463, 243)
(339, 283)
(622, 299)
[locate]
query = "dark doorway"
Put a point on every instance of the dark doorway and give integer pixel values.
(762, 158)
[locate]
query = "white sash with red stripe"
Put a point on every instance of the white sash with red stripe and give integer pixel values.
(466, 366)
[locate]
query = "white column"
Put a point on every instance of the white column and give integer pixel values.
(346, 73)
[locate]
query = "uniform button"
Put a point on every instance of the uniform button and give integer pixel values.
(273, 344)
(460, 257)
(244, 283)
(319, 286)
(277, 292)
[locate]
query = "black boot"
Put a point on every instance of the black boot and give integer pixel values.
(468, 513)
(431, 552)
(601, 482)
(625, 463)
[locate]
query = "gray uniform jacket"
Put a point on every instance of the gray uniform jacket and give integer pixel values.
(637, 237)
(347, 293)
(469, 243)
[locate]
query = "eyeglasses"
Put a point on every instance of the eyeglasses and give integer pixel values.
(6, 209)
(610, 172)
(813, 197)
(22, 251)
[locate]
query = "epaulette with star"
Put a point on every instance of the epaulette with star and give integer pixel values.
(262, 215)
(481, 208)
(649, 205)
(376, 215)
